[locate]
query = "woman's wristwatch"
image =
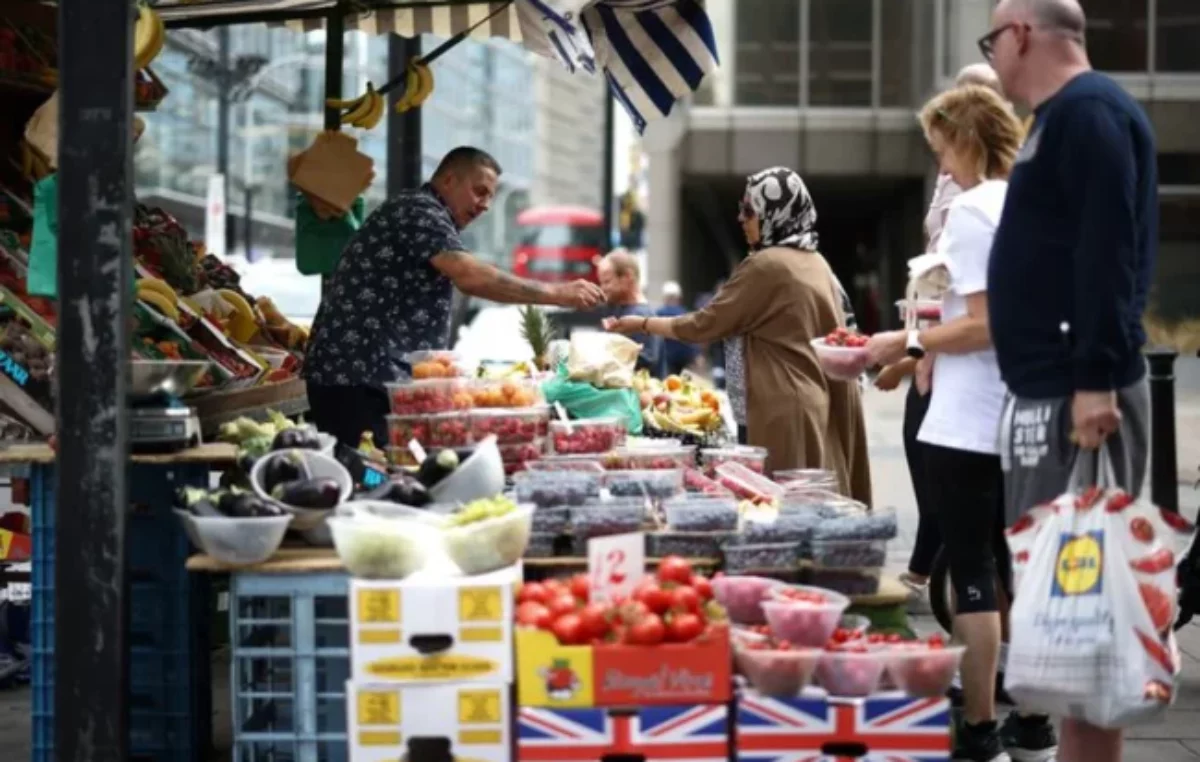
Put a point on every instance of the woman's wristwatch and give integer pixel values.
(913, 345)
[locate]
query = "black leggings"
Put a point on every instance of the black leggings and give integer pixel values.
(929, 534)
(967, 492)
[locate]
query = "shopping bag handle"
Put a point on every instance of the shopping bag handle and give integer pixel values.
(1092, 468)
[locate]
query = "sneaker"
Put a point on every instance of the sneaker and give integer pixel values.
(978, 743)
(1029, 739)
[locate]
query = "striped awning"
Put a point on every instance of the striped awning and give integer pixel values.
(652, 52)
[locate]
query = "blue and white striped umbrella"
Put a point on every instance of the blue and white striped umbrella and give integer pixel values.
(652, 52)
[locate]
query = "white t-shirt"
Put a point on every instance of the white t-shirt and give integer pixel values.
(944, 193)
(968, 395)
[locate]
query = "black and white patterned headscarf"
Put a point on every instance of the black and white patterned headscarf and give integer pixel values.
(785, 211)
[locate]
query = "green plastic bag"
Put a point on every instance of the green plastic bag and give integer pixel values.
(582, 400)
(319, 242)
(43, 248)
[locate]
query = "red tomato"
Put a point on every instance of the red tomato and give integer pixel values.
(563, 604)
(632, 611)
(702, 586)
(595, 618)
(684, 627)
(685, 599)
(580, 588)
(675, 569)
(840, 635)
(532, 591)
(534, 614)
(648, 631)
(554, 588)
(569, 630)
(653, 597)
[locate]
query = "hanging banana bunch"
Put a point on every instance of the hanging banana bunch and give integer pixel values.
(366, 110)
(148, 38)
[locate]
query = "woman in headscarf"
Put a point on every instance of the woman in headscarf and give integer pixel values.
(779, 298)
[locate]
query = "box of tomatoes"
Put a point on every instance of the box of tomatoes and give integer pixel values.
(665, 643)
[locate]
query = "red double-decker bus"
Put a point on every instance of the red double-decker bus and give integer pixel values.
(559, 243)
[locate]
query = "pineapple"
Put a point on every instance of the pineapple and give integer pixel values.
(537, 332)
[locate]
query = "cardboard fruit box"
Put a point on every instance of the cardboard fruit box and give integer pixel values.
(557, 676)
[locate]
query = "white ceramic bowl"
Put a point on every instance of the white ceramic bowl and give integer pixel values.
(319, 465)
(238, 542)
(479, 476)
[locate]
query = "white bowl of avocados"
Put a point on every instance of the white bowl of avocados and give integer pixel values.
(306, 483)
(480, 475)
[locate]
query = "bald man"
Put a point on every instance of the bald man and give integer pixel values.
(1068, 282)
(978, 74)
(621, 280)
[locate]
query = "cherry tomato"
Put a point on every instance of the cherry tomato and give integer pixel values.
(532, 591)
(534, 614)
(654, 598)
(563, 604)
(631, 611)
(579, 586)
(569, 630)
(595, 618)
(648, 631)
(675, 569)
(840, 635)
(684, 627)
(685, 599)
(702, 587)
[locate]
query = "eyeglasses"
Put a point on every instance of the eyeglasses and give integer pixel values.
(987, 43)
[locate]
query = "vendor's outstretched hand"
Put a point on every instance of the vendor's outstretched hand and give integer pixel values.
(579, 295)
(625, 325)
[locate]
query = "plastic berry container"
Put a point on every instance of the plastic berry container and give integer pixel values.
(697, 482)
(686, 544)
(557, 488)
(845, 581)
(487, 393)
(587, 436)
(596, 519)
(551, 520)
(510, 426)
(650, 459)
(434, 363)
(658, 485)
(923, 671)
(751, 557)
(852, 673)
(773, 671)
(517, 457)
(802, 615)
(742, 596)
(449, 430)
(589, 464)
(847, 520)
(849, 554)
(402, 429)
(798, 478)
(688, 513)
(747, 485)
(753, 458)
(429, 397)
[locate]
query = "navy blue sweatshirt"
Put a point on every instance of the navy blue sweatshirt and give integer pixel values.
(1074, 254)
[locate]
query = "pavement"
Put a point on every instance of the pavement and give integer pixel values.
(1174, 739)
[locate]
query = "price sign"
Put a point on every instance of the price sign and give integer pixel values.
(616, 565)
(417, 450)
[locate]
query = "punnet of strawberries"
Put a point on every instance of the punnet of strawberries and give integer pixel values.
(675, 605)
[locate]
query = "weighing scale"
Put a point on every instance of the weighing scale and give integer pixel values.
(159, 421)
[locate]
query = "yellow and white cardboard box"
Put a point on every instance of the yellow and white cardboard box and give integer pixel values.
(389, 722)
(433, 629)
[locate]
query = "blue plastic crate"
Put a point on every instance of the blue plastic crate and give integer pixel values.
(169, 711)
(290, 637)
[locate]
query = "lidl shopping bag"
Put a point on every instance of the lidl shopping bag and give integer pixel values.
(1094, 608)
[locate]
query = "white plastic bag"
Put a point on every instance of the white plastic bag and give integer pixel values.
(604, 360)
(1094, 608)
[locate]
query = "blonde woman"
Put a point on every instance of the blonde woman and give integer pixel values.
(975, 135)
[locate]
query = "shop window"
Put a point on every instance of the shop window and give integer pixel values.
(906, 52)
(1116, 34)
(767, 55)
(1177, 26)
(839, 53)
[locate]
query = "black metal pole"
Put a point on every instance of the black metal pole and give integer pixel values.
(248, 218)
(608, 189)
(95, 216)
(404, 130)
(224, 106)
(1164, 462)
(335, 55)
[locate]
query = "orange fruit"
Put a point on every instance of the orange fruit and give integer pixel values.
(673, 383)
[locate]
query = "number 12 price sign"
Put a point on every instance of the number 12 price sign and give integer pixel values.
(616, 565)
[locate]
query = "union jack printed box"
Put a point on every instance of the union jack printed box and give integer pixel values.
(887, 726)
(697, 733)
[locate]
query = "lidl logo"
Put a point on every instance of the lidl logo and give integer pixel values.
(1080, 565)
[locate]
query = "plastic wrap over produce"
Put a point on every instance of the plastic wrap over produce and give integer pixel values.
(605, 360)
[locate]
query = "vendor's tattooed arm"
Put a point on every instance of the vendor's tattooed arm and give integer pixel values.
(476, 278)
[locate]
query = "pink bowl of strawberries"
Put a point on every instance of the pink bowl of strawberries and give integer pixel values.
(842, 354)
(924, 669)
(742, 596)
(775, 668)
(851, 669)
(804, 616)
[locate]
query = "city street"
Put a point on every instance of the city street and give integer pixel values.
(1178, 738)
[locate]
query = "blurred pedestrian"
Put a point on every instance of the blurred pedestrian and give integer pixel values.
(621, 279)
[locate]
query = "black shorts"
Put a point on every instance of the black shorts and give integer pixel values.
(347, 411)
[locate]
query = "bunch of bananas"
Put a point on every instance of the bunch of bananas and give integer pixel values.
(679, 421)
(159, 295)
(418, 85)
(149, 35)
(363, 112)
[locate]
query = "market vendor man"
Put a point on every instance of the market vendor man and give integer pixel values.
(390, 294)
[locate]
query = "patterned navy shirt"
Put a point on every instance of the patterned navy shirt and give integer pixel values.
(385, 297)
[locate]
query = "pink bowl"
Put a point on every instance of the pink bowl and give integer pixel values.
(777, 673)
(742, 596)
(803, 624)
(851, 673)
(924, 672)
